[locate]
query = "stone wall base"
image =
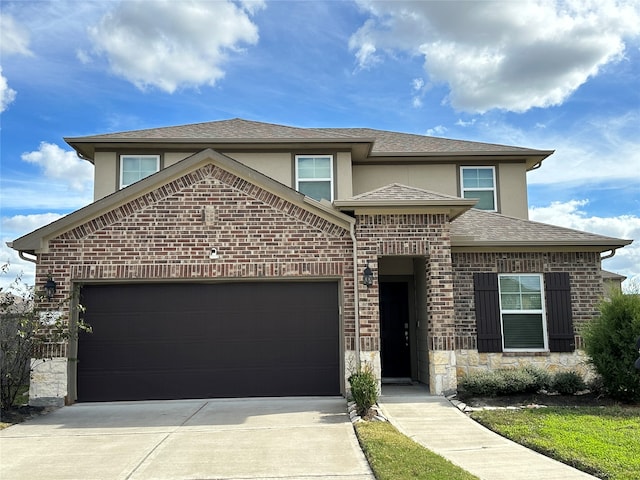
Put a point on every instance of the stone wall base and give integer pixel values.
(48, 383)
(442, 372)
(469, 361)
(370, 358)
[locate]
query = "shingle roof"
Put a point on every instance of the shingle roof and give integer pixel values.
(384, 142)
(397, 191)
(404, 143)
(477, 227)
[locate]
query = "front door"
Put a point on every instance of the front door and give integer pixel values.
(394, 329)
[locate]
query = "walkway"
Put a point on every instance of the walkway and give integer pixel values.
(435, 423)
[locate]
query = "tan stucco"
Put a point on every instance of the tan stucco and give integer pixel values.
(512, 189)
(441, 178)
(105, 174)
(174, 157)
(344, 177)
(277, 165)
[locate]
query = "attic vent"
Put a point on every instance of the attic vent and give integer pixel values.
(209, 215)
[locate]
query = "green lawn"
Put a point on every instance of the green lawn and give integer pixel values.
(393, 456)
(604, 441)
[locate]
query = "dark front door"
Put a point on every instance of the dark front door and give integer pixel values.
(183, 340)
(394, 326)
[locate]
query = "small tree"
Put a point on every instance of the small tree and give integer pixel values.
(23, 327)
(610, 343)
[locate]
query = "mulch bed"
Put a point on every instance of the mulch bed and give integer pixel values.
(587, 399)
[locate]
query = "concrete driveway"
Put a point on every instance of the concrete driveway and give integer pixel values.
(274, 438)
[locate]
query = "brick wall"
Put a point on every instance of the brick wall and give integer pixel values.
(168, 233)
(583, 268)
(411, 235)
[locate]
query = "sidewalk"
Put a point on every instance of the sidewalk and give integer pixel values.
(435, 423)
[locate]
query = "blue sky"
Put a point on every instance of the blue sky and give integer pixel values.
(546, 75)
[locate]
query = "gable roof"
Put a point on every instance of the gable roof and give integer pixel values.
(367, 144)
(37, 240)
(481, 229)
(402, 198)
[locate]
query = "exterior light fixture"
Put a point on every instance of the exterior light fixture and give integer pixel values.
(50, 287)
(367, 276)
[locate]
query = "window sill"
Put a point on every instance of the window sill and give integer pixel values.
(546, 353)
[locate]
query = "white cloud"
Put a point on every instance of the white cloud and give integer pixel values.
(571, 214)
(62, 165)
(14, 38)
(168, 44)
(13, 228)
(7, 94)
(436, 131)
(501, 54)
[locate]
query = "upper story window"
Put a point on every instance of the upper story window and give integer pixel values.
(314, 176)
(137, 167)
(480, 183)
(522, 312)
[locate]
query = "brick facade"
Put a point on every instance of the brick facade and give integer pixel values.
(585, 277)
(168, 233)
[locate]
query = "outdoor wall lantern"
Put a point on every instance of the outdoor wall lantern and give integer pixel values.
(367, 276)
(50, 287)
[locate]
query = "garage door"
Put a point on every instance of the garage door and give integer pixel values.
(171, 341)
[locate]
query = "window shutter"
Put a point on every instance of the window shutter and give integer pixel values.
(487, 312)
(559, 318)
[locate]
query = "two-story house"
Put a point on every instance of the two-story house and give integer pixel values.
(239, 258)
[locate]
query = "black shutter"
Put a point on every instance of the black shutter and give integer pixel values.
(487, 312)
(559, 318)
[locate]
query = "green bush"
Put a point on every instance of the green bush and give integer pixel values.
(610, 343)
(541, 378)
(364, 389)
(505, 381)
(567, 383)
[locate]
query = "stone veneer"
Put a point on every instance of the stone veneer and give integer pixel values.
(469, 361)
(48, 385)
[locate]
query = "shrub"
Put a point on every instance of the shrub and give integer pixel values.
(610, 343)
(364, 389)
(567, 383)
(506, 381)
(541, 378)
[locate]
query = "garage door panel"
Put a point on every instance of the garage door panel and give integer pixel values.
(155, 341)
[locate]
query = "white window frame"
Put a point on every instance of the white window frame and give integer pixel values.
(124, 156)
(309, 180)
(493, 189)
(541, 311)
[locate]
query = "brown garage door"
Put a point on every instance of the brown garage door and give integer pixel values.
(170, 341)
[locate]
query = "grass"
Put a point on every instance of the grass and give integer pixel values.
(603, 441)
(393, 456)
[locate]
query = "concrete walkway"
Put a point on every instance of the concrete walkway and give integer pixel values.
(435, 423)
(274, 438)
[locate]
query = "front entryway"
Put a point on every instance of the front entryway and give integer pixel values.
(395, 330)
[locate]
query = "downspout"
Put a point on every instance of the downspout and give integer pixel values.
(352, 231)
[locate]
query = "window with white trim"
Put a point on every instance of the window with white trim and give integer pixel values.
(480, 183)
(522, 312)
(314, 176)
(137, 167)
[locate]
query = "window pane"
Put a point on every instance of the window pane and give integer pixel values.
(314, 167)
(523, 331)
(531, 301)
(317, 190)
(470, 178)
(136, 168)
(485, 178)
(485, 199)
(509, 283)
(511, 301)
